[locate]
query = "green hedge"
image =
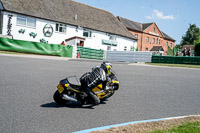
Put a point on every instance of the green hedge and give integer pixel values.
(35, 47)
(176, 59)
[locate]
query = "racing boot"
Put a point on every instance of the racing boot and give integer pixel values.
(93, 96)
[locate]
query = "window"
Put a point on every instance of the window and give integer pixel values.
(153, 40)
(31, 22)
(61, 28)
(166, 43)
(112, 37)
(108, 47)
(125, 48)
(154, 29)
(171, 44)
(21, 20)
(87, 33)
(132, 48)
(158, 41)
(136, 35)
(147, 39)
(26, 21)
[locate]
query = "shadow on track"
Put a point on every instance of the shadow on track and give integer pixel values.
(69, 105)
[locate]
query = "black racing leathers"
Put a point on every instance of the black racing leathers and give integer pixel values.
(91, 79)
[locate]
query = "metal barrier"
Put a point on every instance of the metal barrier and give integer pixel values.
(128, 56)
(176, 59)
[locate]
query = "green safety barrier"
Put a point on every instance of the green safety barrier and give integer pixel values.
(89, 53)
(176, 59)
(35, 47)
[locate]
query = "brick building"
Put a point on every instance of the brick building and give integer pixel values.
(148, 35)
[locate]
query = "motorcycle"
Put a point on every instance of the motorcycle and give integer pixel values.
(69, 90)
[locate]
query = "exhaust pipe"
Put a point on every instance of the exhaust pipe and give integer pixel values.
(68, 98)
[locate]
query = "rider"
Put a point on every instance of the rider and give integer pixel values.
(98, 75)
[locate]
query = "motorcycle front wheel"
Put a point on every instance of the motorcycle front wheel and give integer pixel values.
(58, 98)
(109, 95)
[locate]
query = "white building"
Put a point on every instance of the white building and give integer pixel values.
(66, 20)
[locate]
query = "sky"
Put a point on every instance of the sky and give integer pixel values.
(171, 16)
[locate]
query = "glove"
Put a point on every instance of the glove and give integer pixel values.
(107, 88)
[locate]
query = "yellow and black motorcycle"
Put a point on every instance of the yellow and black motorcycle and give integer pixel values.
(69, 90)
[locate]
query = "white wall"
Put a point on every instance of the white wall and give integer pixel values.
(56, 37)
(71, 42)
(95, 41)
(122, 41)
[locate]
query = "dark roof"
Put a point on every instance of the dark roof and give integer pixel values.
(75, 37)
(157, 48)
(167, 36)
(133, 25)
(65, 11)
(188, 47)
(129, 24)
(146, 25)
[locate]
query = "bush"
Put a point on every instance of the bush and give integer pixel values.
(197, 48)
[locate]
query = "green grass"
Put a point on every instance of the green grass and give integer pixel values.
(175, 65)
(10, 52)
(185, 128)
(21, 53)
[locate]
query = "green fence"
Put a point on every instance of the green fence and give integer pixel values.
(35, 47)
(176, 59)
(89, 53)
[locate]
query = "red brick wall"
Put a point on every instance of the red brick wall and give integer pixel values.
(139, 38)
(143, 45)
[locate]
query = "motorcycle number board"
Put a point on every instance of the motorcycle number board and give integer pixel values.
(60, 88)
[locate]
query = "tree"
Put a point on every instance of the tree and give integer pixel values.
(191, 35)
(178, 46)
(169, 51)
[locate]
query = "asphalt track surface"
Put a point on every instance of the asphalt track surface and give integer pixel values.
(27, 86)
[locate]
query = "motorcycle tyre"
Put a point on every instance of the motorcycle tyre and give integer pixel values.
(58, 98)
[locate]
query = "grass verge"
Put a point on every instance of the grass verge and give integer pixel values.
(175, 65)
(21, 53)
(176, 125)
(10, 52)
(193, 127)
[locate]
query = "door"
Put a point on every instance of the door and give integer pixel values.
(81, 44)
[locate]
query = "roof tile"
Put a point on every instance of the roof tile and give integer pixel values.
(64, 11)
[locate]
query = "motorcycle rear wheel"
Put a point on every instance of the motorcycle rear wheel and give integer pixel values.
(58, 98)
